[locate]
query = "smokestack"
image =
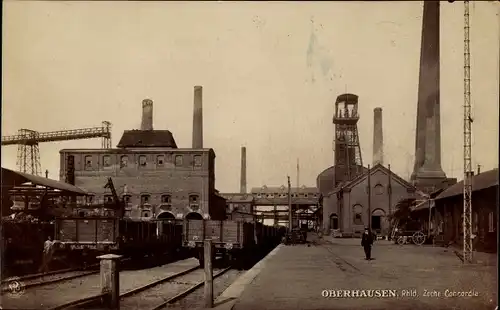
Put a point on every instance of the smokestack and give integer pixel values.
(198, 118)
(428, 131)
(378, 137)
(147, 114)
(243, 177)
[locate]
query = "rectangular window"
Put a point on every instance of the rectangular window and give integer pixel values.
(178, 160)
(197, 161)
(491, 222)
(88, 162)
(123, 161)
(106, 161)
(142, 161)
(160, 160)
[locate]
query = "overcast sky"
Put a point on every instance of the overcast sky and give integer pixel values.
(270, 70)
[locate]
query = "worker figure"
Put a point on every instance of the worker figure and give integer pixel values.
(48, 250)
(367, 242)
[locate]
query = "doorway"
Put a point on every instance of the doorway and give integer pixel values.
(334, 221)
(376, 222)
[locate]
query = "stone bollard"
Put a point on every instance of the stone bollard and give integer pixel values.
(110, 280)
(209, 288)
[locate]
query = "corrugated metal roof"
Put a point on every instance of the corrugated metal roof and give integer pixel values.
(37, 180)
(481, 181)
(147, 138)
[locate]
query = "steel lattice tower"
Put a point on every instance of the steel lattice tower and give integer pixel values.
(348, 161)
(28, 153)
(467, 218)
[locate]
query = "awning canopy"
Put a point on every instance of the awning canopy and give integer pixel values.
(16, 178)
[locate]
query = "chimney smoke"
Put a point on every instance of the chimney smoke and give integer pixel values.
(378, 137)
(198, 118)
(243, 177)
(147, 114)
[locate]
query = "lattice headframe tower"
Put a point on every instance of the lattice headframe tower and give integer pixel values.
(348, 160)
(28, 153)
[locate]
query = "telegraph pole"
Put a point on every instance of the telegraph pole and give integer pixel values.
(289, 205)
(369, 200)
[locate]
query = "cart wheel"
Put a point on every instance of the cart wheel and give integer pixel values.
(401, 240)
(418, 238)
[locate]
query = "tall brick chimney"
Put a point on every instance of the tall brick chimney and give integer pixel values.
(378, 137)
(198, 118)
(147, 114)
(427, 169)
(243, 176)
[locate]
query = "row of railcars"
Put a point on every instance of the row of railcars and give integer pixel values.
(237, 241)
(87, 237)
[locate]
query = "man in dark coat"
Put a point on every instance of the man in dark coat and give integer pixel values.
(367, 242)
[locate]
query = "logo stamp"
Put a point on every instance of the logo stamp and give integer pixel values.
(14, 287)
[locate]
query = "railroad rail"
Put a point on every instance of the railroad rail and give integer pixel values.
(133, 297)
(40, 279)
(130, 299)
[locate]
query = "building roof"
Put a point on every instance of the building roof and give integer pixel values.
(21, 178)
(147, 138)
(378, 167)
(237, 197)
(481, 181)
(284, 189)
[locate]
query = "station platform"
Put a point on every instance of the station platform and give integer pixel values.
(332, 273)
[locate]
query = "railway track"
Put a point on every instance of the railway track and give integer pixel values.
(40, 279)
(166, 291)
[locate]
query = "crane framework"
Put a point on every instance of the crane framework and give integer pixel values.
(28, 153)
(467, 216)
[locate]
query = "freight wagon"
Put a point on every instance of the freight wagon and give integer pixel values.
(236, 241)
(23, 245)
(88, 237)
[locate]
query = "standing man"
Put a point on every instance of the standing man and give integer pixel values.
(48, 249)
(366, 243)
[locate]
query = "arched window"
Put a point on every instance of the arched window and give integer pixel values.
(378, 189)
(193, 216)
(194, 201)
(145, 199)
(127, 199)
(357, 214)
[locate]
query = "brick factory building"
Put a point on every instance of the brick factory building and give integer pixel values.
(153, 176)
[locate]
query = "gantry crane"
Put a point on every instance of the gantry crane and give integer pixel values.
(467, 220)
(28, 153)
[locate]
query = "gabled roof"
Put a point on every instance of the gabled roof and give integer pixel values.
(376, 168)
(480, 181)
(21, 178)
(147, 138)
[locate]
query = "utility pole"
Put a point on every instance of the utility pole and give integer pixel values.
(467, 199)
(369, 200)
(289, 205)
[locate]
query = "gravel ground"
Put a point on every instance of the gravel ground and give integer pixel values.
(195, 300)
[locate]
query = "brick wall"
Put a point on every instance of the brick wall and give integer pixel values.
(153, 180)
